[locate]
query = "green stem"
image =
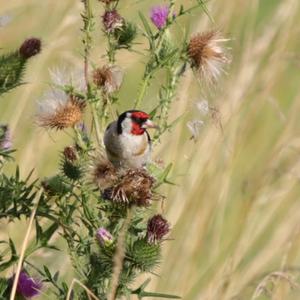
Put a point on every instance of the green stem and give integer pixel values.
(111, 50)
(96, 124)
(87, 40)
(145, 83)
(87, 28)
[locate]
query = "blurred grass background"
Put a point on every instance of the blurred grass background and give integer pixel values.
(236, 209)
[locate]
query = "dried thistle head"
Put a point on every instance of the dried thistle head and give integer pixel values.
(59, 110)
(104, 174)
(157, 228)
(108, 78)
(30, 47)
(207, 55)
(112, 20)
(70, 153)
(134, 187)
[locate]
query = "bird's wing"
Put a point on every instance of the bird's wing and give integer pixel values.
(112, 142)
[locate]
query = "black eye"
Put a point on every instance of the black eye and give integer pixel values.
(138, 120)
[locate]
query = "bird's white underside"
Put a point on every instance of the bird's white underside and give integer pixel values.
(125, 149)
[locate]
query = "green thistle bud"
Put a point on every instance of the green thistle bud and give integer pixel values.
(125, 35)
(12, 65)
(145, 256)
(71, 166)
(72, 170)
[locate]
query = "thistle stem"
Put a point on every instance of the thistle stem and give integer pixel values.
(87, 41)
(145, 83)
(96, 124)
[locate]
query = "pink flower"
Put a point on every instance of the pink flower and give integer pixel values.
(159, 16)
(157, 228)
(28, 287)
(104, 237)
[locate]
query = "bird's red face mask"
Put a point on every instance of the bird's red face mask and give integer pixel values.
(140, 122)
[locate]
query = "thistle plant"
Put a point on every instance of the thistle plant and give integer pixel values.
(107, 216)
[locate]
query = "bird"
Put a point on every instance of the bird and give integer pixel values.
(127, 142)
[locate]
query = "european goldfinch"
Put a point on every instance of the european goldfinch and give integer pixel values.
(126, 140)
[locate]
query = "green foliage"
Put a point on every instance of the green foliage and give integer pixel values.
(141, 293)
(11, 249)
(5, 156)
(12, 67)
(3, 289)
(16, 195)
(56, 186)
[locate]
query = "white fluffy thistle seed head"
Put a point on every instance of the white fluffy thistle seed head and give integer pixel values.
(66, 76)
(57, 110)
(208, 55)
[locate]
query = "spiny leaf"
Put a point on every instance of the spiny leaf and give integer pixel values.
(13, 257)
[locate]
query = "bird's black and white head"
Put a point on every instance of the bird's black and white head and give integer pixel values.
(134, 122)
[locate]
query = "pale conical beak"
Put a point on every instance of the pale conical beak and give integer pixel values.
(150, 124)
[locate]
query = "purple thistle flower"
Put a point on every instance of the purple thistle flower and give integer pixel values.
(157, 228)
(5, 137)
(81, 126)
(104, 237)
(112, 20)
(30, 47)
(159, 16)
(28, 287)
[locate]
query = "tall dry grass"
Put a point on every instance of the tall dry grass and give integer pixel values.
(236, 209)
